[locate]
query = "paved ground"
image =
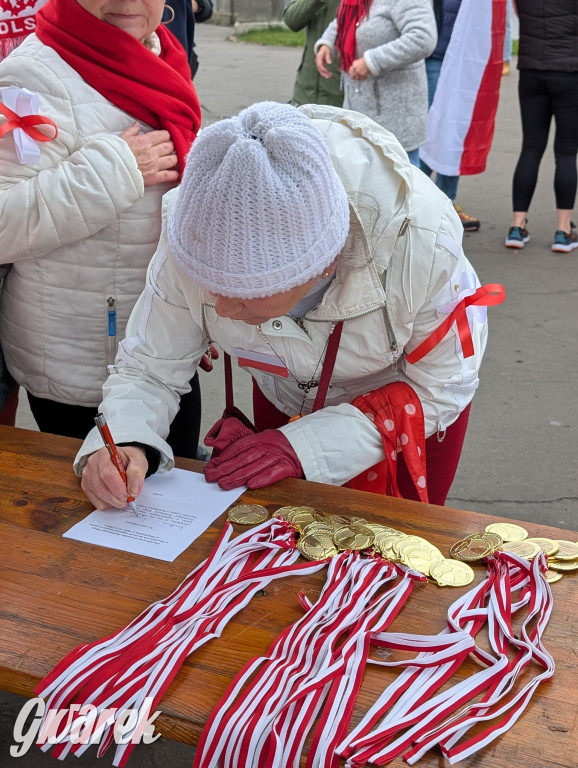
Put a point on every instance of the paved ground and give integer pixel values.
(520, 457)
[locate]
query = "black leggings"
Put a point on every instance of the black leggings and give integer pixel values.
(78, 420)
(543, 95)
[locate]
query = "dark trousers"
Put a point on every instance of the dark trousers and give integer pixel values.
(78, 420)
(544, 95)
(8, 413)
(442, 458)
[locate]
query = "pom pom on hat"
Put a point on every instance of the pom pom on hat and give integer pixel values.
(260, 208)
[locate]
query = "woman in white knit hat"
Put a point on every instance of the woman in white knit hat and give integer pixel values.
(303, 244)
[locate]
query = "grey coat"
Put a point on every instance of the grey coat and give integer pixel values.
(394, 40)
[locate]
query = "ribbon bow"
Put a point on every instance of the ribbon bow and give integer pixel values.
(26, 124)
(486, 296)
(20, 107)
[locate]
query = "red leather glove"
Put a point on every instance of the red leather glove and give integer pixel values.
(225, 432)
(255, 461)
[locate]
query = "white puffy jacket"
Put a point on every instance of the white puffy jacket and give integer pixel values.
(79, 228)
(398, 271)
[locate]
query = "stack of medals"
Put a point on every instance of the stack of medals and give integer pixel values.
(508, 537)
(322, 536)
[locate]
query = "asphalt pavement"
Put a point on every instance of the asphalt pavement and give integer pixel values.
(519, 459)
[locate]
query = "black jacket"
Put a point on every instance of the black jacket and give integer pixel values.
(548, 35)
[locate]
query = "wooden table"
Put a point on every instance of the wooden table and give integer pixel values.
(56, 593)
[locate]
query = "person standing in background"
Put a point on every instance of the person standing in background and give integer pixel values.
(507, 41)
(17, 21)
(203, 10)
(310, 87)
(80, 212)
(445, 13)
(180, 18)
(382, 46)
(547, 88)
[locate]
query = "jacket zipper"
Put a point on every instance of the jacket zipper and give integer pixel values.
(111, 345)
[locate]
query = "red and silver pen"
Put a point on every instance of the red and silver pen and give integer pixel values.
(100, 422)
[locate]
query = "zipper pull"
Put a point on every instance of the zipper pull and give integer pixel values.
(394, 349)
(111, 301)
(403, 228)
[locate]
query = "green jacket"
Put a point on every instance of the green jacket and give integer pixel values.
(310, 87)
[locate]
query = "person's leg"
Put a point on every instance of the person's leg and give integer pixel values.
(8, 393)
(507, 40)
(448, 185)
(413, 156)
(433, 67)
(61, 418)
(184, 433)
(536, 114)
(442, 460)
(564, 90)
(432, 70)
(8, 412)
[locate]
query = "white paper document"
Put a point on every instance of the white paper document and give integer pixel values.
(173, 509)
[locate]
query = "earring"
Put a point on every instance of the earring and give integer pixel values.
(326, 273)
(168, 8)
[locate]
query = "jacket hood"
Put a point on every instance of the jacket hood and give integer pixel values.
(374, 170)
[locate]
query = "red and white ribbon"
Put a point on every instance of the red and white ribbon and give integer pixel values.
(269, 709)
(410, 706)
(141, 660)
(20, 108)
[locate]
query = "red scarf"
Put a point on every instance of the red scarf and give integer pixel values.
(349, 13)
(154, 89)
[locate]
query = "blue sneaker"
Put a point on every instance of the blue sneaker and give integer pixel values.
(517, 237)
(565, 242)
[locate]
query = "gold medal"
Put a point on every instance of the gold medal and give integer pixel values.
(452, 573)
(563, 565)
(548, 546)
(338, 521)
(382, 529)
(396, 542)
(411, 541)
(552, 576)
(526, 549)
(301, 517)
(471, 548)
(354, 536)
(248, 514)
(508, 531)
(317, 546)
(418, 561)
(567, 550)
(492, 538)
(322, 528)
(285, 512)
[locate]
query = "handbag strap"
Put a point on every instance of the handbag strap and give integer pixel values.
(229, 394)
(326, 372)
(328, 366)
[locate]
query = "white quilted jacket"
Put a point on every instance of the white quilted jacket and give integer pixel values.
(396, 277)
(79, 228)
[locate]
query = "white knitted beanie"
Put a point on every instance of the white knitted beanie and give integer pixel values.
(260, 209)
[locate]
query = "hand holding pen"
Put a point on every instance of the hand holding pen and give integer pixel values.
(100, 422)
